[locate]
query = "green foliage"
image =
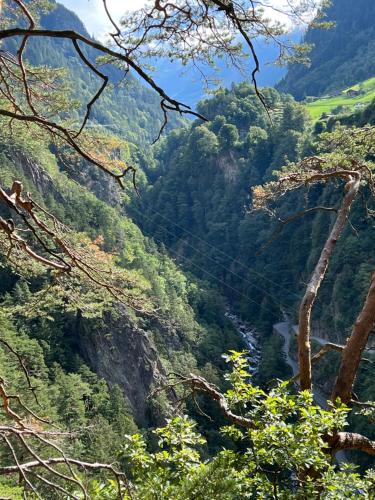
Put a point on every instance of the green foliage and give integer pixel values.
(271, 458)
(13, 492)
(203, 142)
(272, 365)
(228, 136)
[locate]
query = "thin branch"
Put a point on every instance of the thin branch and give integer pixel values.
(72, 35)
(318, 356)
(199, 384)
(98, 93)
(291, 218)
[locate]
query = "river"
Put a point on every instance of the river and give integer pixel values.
(251, 339)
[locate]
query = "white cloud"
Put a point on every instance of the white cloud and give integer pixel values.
(93, 15)
(287, 11)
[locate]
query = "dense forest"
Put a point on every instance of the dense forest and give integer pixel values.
(138, 352)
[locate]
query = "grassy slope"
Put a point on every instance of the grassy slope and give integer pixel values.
(327, 104)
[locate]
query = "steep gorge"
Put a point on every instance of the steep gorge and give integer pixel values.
(127, 349)
(195, 210)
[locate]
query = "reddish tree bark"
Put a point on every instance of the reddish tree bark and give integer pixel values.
(353, 350)
(304, 327)
(351, 441)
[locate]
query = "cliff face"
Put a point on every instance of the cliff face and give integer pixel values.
(39, 179)
(123, 354)
(114, 347)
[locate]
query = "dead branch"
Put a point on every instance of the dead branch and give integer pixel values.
(69, 137)
(25, 435)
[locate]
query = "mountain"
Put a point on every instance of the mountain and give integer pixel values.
(199, 203)
(198, 272)
(201, 208)
(185, 82)
(127, 109)
(96, 347)
(111, 338)
(341, 56)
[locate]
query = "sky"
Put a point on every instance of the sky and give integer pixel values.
(91, 12)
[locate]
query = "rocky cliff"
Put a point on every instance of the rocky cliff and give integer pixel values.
(124, 354)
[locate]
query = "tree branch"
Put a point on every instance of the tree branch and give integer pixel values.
(351, 441)
(304, 326)
(355, 347)
(118, 56)
(319, 355)
(199, 384)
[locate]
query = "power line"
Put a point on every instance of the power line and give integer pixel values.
(215, 262)
(219, 251)
(218, 279)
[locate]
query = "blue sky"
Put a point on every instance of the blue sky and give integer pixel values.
(92, 13)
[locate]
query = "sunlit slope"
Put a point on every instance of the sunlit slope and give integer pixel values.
(347, 99)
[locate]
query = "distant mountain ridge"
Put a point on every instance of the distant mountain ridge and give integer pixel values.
(190, 88)
(185, 83)
(342, 56)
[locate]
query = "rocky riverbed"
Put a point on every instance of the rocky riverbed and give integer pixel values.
(251, 339)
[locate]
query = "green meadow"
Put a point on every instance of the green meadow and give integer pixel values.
(328, 104)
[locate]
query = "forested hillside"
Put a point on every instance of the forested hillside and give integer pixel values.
(127, 109)
(94, 360)
(200, 204)
(341, 56)
(201, 208)
(140, 282)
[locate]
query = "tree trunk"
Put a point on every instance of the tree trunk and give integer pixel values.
(356, 344)
(304, 327)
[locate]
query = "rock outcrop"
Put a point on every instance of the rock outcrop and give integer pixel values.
(124, 354)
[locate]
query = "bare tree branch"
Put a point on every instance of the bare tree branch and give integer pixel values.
(304, 325)
(319, 355)
(354, 348)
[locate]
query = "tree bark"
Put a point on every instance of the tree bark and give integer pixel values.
(351, 441)
(304, 327)
(353, 350)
